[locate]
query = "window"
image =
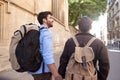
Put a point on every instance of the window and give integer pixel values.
(113, 24)
(113, 11)
(117, 19)
(59, 10)
(55, 8)
(110, 15)
(1, 21)
(117, 5)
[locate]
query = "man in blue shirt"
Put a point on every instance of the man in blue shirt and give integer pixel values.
(46, 45)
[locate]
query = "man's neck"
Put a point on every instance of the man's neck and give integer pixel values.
(85, 32)
(45, 25)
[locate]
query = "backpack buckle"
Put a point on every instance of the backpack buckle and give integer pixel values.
(84, 64)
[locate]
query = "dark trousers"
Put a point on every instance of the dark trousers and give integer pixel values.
(43, 76)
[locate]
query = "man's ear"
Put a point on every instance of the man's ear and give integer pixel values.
(44, 20)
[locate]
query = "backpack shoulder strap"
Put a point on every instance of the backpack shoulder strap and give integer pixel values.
(75, 41)
(90, 41)
(42, 28)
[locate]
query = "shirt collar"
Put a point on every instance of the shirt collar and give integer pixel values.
(84, 34)
(41, 26)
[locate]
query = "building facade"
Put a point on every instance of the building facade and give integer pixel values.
(14, 13)
(113, 20)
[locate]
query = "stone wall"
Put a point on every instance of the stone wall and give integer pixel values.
(60, 34)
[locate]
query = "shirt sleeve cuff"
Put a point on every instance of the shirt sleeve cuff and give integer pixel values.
(49, 61)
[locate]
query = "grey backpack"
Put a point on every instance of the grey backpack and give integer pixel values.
(25, 49)
(80, 65)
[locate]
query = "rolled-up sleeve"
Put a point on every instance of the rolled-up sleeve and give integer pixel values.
(47, 46)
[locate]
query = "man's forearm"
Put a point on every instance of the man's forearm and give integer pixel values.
(52, 68)
(54, 71)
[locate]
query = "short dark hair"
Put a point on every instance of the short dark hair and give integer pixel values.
(43, 15)
(84, 24)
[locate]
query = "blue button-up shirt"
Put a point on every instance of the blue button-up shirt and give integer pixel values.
(46, 46)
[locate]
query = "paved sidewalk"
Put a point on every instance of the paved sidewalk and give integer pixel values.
(13, 75)
(4, 58)
(6, 72)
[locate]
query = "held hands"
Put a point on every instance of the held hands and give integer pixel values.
(54, 71)
(58, 77)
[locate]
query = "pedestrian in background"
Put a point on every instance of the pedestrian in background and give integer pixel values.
(47, 68)
(100, 51)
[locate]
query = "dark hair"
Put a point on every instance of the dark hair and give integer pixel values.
(43, 15)
(84, 24)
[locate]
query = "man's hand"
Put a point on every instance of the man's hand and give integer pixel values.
(58, 77)
(54, 71)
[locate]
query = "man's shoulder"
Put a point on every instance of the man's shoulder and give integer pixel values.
(46, 32)
(70, 39)
(98, 42)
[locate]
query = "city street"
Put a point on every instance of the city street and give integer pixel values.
(114, 74)
(114, 56)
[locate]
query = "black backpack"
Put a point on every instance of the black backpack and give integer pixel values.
(25, 49)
